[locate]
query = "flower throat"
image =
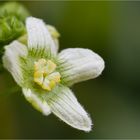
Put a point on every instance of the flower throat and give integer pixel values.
(45, 74)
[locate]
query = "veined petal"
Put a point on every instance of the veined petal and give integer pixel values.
(64, 105)
(54, 34)
(11, 59)
(38, 35)
(38, 103)
(80, 65)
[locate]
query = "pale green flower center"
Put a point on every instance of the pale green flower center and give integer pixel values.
(45, 74)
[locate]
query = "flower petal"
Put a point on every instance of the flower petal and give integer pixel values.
(11, 58)
(64, 104)
(38, 35)
(80, 65)
(54, 34)
(38, 103)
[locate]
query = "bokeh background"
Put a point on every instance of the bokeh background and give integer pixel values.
(111, 29)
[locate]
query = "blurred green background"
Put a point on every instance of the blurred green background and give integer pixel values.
(111, 29)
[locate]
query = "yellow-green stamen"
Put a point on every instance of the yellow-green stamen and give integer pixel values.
(45, 74)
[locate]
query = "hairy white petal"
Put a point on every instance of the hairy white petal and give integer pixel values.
(64, 104)
(80, 64)
(38, 35)
(38, 103)
(11, 57)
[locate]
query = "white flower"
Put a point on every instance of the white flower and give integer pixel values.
(45, 76)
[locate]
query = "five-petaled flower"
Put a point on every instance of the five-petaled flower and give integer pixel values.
(45, 76)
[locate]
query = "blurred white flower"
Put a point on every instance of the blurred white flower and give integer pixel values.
(45, 76)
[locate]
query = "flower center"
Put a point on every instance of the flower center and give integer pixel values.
(45, 74)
